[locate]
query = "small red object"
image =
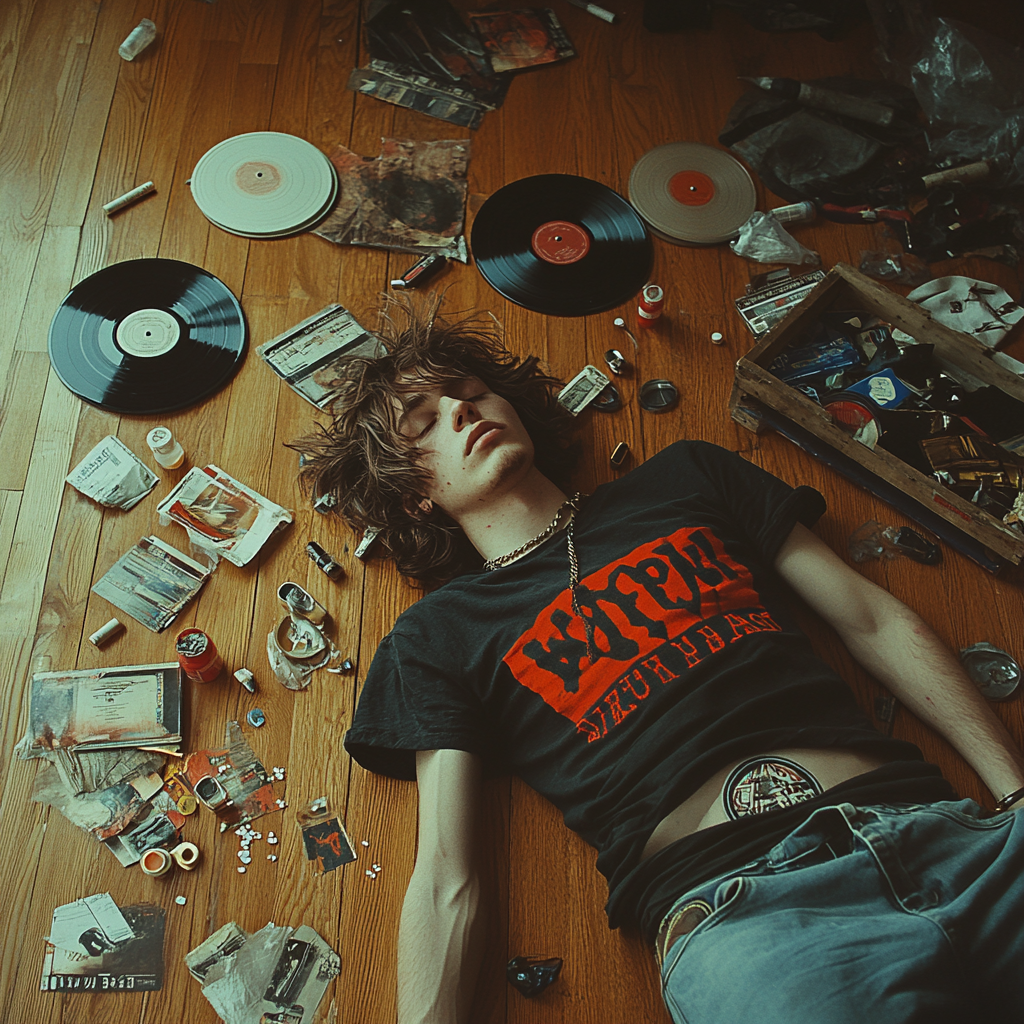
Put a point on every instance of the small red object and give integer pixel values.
(652, 299)
(198, 655)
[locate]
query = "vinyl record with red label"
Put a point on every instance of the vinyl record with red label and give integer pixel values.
(692, 194)
(147, 336)
(562, 245)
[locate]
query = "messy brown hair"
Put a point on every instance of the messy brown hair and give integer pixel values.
(375, 475)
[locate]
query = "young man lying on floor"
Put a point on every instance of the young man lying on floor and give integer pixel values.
(630, 655)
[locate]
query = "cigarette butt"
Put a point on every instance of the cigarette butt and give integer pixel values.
(128, 198)
(106, 632)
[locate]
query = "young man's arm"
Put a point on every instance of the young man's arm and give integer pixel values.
(900, 650)
(437, 945)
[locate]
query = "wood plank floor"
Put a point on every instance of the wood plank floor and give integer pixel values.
(79, 127)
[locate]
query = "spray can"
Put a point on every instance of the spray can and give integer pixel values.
(198, 656)
(652, 301)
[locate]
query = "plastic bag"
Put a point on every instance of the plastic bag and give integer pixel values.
(872, 540)
(764, 239)
(805, 153)
(970, 86)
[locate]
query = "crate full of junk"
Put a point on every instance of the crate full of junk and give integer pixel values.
(912, 410)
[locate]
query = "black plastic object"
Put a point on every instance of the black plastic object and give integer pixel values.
(914, 546)
(658, 395)
(609, 400)
(531, 975)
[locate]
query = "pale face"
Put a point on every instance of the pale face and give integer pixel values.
(474, 443)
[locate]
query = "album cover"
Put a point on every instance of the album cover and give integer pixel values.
(411, 197)
(522, 38)
(130, 960)
(103, 708)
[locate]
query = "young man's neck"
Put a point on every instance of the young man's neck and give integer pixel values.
(507, 521)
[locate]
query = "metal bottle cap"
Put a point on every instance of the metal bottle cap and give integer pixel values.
(994, 671)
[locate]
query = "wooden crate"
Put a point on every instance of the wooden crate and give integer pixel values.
(846, 288)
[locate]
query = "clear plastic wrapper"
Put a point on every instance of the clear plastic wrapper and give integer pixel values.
(764, 239)
(898, 267)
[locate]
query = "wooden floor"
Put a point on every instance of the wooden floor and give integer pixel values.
(80, 126)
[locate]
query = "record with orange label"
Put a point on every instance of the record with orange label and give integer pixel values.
(692, 194)
(562, 245)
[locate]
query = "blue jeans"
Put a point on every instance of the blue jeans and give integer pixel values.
(876, 915)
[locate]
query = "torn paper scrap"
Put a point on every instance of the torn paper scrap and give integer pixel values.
(232, 781)
(91, 925)
(323, 836)
(113, 475)
(276, 974)
(104, 813)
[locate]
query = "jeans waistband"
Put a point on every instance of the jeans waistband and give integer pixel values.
(829, 830)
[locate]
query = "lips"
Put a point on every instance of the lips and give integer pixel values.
(482, 428)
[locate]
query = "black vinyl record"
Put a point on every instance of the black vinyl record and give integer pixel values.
(562, 245)
(148, 336)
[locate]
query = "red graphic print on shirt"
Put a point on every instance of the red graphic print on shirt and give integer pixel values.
(655, 613)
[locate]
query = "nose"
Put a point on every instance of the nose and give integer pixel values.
(461, 412)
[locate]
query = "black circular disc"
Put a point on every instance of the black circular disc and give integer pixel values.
(616, 249)
(196, 326)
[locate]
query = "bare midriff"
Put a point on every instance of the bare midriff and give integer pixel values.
(705, 808)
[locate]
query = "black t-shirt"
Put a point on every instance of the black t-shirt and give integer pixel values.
(698, 661)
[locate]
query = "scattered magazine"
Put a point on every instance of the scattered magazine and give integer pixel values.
(306, 357)
(104, 708)
(152, 582)
(95, 946)
(222, 516)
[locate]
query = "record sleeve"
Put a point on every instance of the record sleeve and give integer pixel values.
(562, 245)
(147, 336)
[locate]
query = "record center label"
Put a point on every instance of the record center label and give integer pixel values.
(258, 178)
(691, 188)
(560, 241)
(147, 333)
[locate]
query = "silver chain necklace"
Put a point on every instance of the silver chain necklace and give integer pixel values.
(572, 505)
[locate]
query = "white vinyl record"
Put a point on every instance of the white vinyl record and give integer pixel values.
(264, 185)
(690, 193)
